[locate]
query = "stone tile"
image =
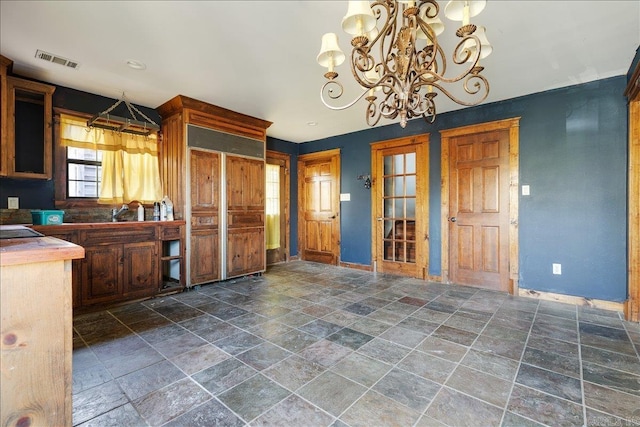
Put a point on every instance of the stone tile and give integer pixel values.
(254, 396)
(513, 420)
(563, 348)
(387, 316)
(170, 402)
(544, 408)
(431, 315)
(331, 392)
(359, 309)
(248, 320)
(294, 372)
(619, 361)
(350, 338)
(210, 413)
(96, 401)
(495, 365)
(318, 310)
(403, 336)
(457, 336)
(457, 409)
(341, 318)
(296, 319)
(465, 323)
(610, 339)
(218, 332)
(293, 411)
(179, 344)
(550, 382)
(263, 356)
(426, 421)
(419, 325)
(597, 418)
(325, 353)
(381, 411)
(204, 322)
(295, 340)
(552, 361)
(413, 301)
(617, 380)
(238, 343)
(442, 348)
(502, 332)
(88, 376)
(222, 310)
(408, 389)
(224, 375)
(384, 351)
(501, 347)
(369, 326)
(199, 358)
(178, 312)
(144, 381)
(361, 369)
(432, 368)
(124, 415)
(480, 385)
(132, 361)
(270, 329)
(320, 328)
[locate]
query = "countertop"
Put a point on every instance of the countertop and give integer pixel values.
(88, 225)
(29, 250)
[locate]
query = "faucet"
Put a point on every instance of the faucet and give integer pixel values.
(115, 212)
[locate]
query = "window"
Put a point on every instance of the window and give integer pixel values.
(104, 165)
(84, 172)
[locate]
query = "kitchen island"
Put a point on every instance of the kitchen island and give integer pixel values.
(36, 328)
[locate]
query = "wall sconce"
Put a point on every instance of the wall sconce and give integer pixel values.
(367, 180)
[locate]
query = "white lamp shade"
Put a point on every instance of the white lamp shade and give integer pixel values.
(454, 10)
(435, 23)
(359, 19)
(330, 54)
(485, 46)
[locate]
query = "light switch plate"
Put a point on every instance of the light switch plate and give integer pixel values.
(345, 197)
(525, 190)
(13, 203)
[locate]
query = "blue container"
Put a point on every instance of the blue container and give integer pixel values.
(44, 217)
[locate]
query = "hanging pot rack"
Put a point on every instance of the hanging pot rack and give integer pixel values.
(133, 125)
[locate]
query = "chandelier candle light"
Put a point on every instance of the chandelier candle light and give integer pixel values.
(396, 52)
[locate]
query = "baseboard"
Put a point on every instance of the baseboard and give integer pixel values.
(294, 258)
(570, 299)
(356, 266)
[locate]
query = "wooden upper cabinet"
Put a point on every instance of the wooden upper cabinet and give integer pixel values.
(245, 183)
(27, 129)
(205, 177)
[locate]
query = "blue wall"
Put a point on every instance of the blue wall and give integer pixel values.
(573, 155)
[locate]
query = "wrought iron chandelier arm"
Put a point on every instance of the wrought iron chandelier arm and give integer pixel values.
(328, 90)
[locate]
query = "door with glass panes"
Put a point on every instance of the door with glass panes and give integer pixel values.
(400, 206)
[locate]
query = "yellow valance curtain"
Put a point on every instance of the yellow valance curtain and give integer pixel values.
(130, 168)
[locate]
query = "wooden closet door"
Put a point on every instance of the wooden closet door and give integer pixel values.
(205, 207)
(246, 248)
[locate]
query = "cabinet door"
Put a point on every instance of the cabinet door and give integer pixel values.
(245, 183)
(245, 251)
(205, 256)
(140, 276)
(205, 181)
(101, 274)
(28, 139)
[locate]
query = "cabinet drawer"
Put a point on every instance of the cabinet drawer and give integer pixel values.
(170, 233)
(117, 235)
(245, 219)
(204, 221)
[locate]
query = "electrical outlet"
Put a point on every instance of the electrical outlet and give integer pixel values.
(557, 268)
(13, 203)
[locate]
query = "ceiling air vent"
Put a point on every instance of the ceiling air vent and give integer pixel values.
(49, 57)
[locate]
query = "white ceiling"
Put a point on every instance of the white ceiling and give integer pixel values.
(259, 57)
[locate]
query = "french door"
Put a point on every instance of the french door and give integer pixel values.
(400, 206)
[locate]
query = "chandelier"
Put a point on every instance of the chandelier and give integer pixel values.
(396, 55)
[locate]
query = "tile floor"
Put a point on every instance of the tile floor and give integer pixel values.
(314, 345)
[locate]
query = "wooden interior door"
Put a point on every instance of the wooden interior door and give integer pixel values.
(479, 210)
(281, 200)
(319, 206)
(400, 206)
(204, 263)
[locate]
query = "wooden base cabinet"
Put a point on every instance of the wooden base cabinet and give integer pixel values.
(124, 261)
(212, 166)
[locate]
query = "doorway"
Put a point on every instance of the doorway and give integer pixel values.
(400, 191)
(480, 205)
(277, 207)
(319, 206)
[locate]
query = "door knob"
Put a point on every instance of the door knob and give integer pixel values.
(332, 217)
(453, 219)
(379, 218)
